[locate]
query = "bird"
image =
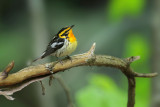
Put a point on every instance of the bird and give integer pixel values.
(62, 44)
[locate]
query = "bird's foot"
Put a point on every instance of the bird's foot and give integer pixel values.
(68, 57)
(59, 60)
(49, 67)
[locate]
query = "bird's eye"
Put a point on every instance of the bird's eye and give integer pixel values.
(66, 34)
(67, 37)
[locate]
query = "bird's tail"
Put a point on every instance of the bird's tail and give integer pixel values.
(41, 57)
(36, 59)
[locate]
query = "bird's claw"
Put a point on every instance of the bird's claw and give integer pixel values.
(68, 57)
(49, 67)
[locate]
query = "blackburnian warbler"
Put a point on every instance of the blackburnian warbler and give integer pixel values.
(63, 44)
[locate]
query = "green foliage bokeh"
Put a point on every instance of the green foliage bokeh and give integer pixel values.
(120, 8)
(138, 45)
(101, 92)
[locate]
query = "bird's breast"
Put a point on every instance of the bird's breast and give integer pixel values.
(67, 49)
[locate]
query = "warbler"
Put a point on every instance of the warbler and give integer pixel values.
(62, 44)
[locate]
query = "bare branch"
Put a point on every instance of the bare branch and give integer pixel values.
(66, 90)
(132, 59)
(131, 91)
(40, 70)
(50, 79)
(148, 75)
(43, 88)
(17, 81)
(6, 71)
(8, 91)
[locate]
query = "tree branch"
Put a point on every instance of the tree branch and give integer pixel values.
(6, 71)
(32, 74)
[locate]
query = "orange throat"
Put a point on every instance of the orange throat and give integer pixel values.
(71, 36)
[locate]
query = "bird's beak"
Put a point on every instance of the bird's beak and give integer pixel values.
(72, 26)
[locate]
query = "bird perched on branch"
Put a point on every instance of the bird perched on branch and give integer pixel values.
(63, 44)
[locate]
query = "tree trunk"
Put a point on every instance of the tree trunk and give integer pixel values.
(155, 100)
(40, 41)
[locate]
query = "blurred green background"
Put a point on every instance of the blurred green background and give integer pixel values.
(121, 28)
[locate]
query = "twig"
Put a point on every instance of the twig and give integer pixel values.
(66, 90)
(148, 75)
(6, 71)
(10, 90)
(50, 79)
(43, 88)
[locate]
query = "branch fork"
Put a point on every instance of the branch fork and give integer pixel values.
(19, 80)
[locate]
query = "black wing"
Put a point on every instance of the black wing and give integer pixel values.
(55, 44)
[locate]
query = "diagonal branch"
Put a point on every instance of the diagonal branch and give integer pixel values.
(17, 81)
